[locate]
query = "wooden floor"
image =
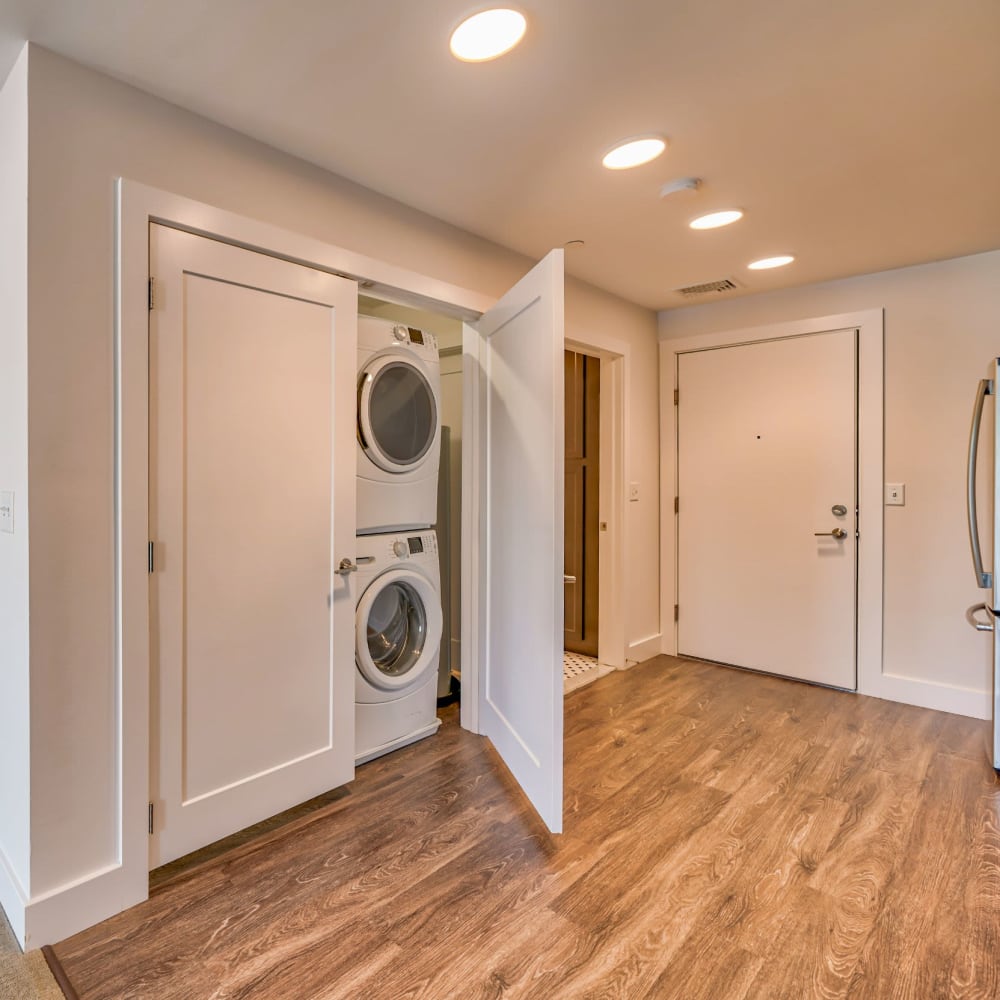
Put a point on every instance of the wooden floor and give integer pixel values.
(728, 835)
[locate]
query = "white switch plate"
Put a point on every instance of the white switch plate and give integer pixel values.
(7, 512)
(633, 491)
(895, 494)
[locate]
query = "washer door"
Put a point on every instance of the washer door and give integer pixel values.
(397, 414)
(397, 629)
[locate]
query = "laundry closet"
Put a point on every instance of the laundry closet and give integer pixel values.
(299, 508)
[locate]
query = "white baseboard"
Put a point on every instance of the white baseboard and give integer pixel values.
(928, 694)
(13, 898)
(70, 908)
(643, 649)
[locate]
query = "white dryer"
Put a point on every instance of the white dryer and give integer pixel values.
(397, 641)
(399, 426)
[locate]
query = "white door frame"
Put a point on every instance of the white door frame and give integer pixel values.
(126, 882)
(869, 324)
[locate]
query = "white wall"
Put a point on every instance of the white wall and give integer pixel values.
(942, 327)
(86, 129)
(14, 687)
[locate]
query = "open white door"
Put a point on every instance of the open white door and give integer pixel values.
(252, 507)
(513, 531)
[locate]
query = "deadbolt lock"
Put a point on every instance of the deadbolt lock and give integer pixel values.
(839, 509)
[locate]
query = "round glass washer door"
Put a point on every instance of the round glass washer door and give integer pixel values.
(397, 629)
(397, 413)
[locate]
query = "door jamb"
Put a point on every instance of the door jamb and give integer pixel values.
(871, 361)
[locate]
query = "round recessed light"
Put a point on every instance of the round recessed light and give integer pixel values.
(716, 219)
(488, 34)
(767, 263)
(634, 152)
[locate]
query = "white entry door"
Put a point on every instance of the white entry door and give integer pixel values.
(252, 506)
(516, 529)
(767, 487)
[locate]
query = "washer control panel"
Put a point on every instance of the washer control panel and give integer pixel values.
(411, 545)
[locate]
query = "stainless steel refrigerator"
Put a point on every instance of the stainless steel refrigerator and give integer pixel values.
(984, 616)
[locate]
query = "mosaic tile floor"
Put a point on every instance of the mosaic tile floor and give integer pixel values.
(579, 670)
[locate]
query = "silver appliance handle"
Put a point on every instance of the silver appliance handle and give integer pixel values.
(970, 617)
(983, 579)
(348, 566)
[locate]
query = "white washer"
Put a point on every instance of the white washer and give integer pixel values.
(397, 641)
(399, 426)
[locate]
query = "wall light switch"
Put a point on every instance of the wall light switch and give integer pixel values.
(633, 491)
(7, 512)
(895, 494)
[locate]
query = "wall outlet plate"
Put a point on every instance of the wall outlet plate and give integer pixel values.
(895, 494)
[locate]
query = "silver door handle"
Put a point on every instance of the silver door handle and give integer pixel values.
(347, 566)
(568, 579)
(983, 579)
(970, 617)
(837, 533)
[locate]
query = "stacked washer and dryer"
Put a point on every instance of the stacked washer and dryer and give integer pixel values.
(398, 619)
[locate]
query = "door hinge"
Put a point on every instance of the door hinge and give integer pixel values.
(677, 396)
(677, 505)
(151, 819)
(152, 294)
(150, 564)
(677, 612)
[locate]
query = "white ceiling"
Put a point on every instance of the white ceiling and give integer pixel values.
(858, 135)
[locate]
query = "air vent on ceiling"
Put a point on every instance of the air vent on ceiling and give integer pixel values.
(722, 285)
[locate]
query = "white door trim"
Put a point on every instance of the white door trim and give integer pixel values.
(869, 324)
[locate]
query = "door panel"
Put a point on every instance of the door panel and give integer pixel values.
(582, 502)
(767, 445)
(251, 397)
(519, 346)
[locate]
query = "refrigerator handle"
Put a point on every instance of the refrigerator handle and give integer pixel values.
(983, 579)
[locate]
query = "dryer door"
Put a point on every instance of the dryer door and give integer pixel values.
(397, 413)
(397, 629)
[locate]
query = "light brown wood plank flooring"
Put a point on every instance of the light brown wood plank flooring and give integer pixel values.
(728, 836)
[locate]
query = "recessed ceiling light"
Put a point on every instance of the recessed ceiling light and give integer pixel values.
(634, 152)
(768, 262)
(488, 34)
(715, 219)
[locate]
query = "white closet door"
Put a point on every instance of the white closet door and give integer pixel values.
(517, 530)
(252, 506)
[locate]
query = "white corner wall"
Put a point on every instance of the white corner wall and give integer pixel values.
(15, 875)
(942, 327)
(86, 130)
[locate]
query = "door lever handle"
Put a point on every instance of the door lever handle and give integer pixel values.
(348, 566)
(837, 533)
(568, 579)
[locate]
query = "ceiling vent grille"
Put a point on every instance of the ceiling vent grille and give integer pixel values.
(707, 287)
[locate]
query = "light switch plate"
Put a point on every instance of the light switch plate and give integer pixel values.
(7, 512)
(633, 491)
(895, 494)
